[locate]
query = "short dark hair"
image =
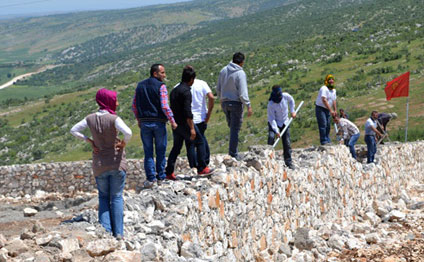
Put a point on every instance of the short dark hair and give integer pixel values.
(154, 68)
(188, 74)
(238, 58)
(374, 112)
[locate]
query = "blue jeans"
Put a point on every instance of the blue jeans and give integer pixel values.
(234, 114)
(202, 128)
(111, 204)
(323, 119)
(351, 144)
(181, 135)
(371, 147)
(154, 133)
(285, 139)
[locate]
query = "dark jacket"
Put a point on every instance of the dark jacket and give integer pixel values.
(181, 103)
(147, 96)
(383, 118)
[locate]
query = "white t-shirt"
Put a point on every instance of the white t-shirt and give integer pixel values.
(370, 123)
(330, 94)
(199, 91)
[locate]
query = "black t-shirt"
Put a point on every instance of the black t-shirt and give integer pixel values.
(180, 99)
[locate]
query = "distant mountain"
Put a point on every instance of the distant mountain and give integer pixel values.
(23, 37)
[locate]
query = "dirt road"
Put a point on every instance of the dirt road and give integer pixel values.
(20, 77)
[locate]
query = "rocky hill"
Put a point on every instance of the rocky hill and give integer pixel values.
(331, 208)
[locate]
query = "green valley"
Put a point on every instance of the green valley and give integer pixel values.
(291, 43)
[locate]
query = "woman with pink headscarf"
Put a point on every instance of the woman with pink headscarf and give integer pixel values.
(109, 163)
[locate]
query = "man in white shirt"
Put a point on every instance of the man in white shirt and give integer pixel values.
(278, 108)
(201, 114)
(349, 132)
(370, 139)
(325, 106)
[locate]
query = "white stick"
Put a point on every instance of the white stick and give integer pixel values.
(338, 138)
(285, 128)
(407, 115)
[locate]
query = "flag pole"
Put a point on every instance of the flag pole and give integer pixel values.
(407, 116)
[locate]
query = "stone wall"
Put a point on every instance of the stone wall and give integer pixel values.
(259, 206)
(251, 208)
(66, 177)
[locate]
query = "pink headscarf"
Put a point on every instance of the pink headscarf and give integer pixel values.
(106, 100)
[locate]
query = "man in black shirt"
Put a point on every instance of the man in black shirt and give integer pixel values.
(186, 131)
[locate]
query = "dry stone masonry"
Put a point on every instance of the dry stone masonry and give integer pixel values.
(250, 210)
(19, 180)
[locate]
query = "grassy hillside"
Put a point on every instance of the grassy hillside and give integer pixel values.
(363, 43)
(98, 37)
(39, 35)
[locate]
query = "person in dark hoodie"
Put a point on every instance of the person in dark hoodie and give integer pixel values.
(382, 121)
(278, 111)
(232, 92)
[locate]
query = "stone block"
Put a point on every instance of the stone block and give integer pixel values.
(16, 247)
(336, 242)
(372, 218)
(302, 239)
(29, 212)
(372, 238)
(396, 215)
(68, 245)
(3, 241)
(149, 252)
(101, 247)
(123, 256)
(43, 240)
(190, 250)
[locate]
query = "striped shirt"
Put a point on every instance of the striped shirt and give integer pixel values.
(347, 128)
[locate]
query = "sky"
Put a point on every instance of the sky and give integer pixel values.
(39, 7)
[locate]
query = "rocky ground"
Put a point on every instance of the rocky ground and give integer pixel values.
(55, 227)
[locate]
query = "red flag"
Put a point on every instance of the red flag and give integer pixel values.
(397, 87)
